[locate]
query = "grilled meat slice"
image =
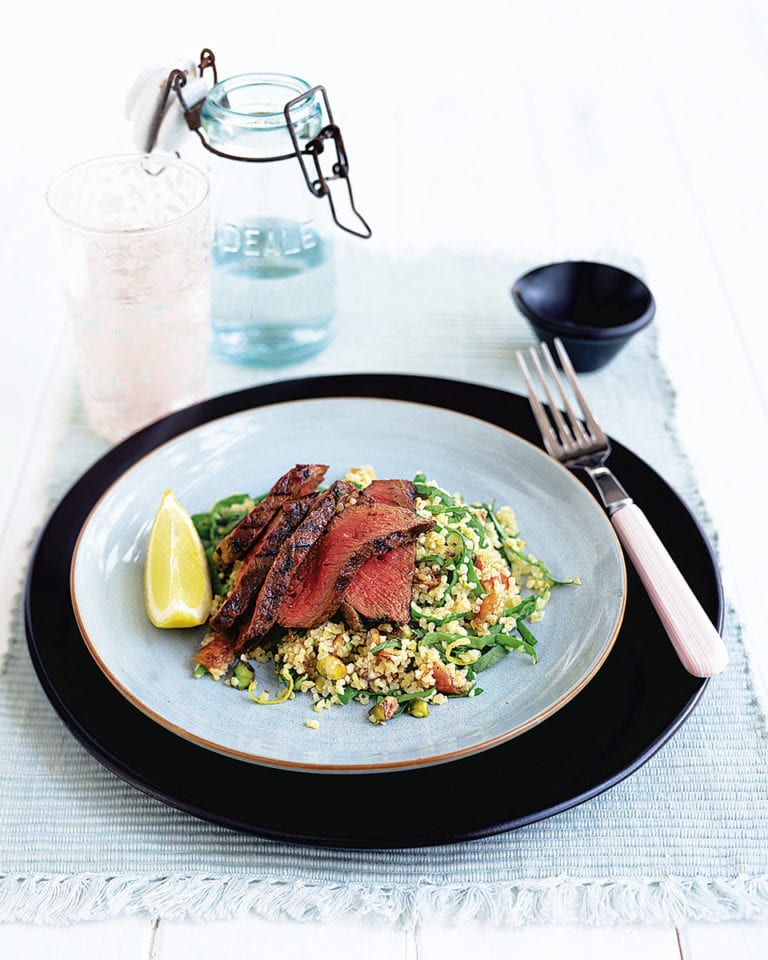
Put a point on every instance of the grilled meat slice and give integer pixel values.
(257, 562)
(365, 528)
(398, 493)
(288, 565)
(381, 589)
(238, 541)
(300, 480)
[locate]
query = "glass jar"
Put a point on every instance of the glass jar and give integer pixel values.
(273, 279)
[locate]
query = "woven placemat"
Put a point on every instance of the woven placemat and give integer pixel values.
(684, 838)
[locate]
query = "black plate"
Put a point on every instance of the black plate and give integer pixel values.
(636, 702)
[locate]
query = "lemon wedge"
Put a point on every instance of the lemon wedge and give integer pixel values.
(177, 582)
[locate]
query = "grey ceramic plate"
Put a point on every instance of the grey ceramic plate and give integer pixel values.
(559, 519)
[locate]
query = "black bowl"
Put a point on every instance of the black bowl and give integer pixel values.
(594, 308)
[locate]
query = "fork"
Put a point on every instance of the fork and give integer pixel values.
(579, 443)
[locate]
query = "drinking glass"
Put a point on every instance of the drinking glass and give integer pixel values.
(131, 237)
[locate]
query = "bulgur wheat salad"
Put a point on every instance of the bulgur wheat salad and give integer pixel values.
(476, 595)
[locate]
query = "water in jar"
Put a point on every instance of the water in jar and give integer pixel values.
(272, 290)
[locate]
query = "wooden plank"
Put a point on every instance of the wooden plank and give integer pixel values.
(126, 938)
(714, 941)
(439, 942)
(259, 936)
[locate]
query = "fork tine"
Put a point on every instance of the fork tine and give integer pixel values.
(593, 426)
(567, 438)
(548, 435)
(576, 427)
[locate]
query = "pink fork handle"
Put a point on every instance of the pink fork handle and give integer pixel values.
(698, 644)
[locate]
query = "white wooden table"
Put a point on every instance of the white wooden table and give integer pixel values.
(535, 128)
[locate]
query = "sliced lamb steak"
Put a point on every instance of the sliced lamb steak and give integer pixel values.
(288, 566)
(257, 562)
(381, 589)
(364, 529)
(300, 480)
(397, 493)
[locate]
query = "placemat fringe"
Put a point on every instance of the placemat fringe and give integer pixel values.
(63, 900)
